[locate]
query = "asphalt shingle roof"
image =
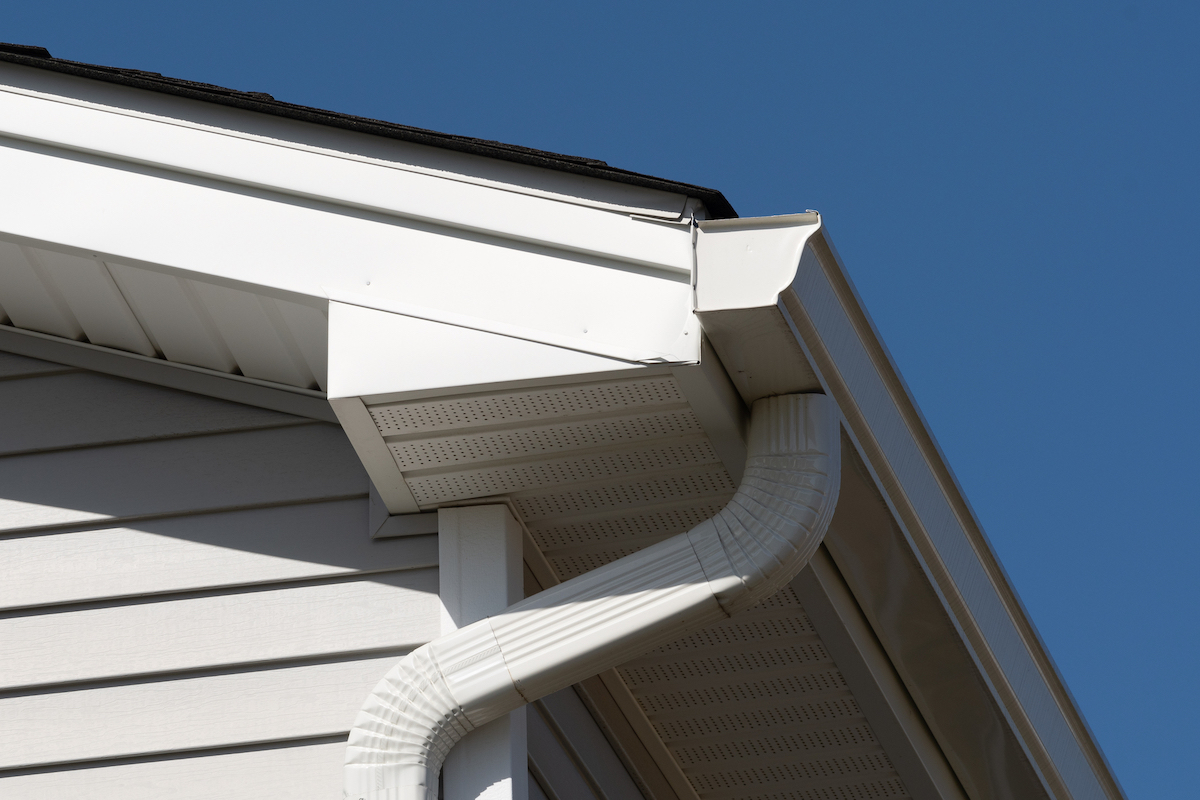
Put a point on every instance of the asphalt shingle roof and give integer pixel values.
(40, 58)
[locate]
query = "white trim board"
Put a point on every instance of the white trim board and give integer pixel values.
(928, 506)
(238, 389)
(324, 139)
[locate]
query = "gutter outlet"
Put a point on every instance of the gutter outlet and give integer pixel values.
(748, 551)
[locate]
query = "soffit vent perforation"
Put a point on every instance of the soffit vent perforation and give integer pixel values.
(569, 456)
(568, 567)
(744, 749)
(821, 712)
(527, 442)
(791, 770)
(775, 689)
(867, 790)
(486, 482)
(751, 630)
(784, 598)
(693, 668)
(755, 707)
(702, 485)
(468, 412)
(613, 529)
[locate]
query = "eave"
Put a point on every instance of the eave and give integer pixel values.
(939, 532)
(260, 103)
(352, 277)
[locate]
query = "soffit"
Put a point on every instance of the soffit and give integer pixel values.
(752, 708)
(163, 316)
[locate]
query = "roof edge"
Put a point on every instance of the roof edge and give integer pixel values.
(39, 58)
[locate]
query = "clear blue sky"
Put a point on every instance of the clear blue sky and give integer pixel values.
(1015, 190)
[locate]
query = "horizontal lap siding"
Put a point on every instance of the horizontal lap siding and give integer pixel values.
(191, 603)
(46, 414)
(383, 612)
(15, 366)
(292, 770)
(201, 551)
(153, 717)
(177, 476)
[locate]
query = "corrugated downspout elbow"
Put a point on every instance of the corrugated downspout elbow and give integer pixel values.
(750, 549)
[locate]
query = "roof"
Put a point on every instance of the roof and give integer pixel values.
(602, 396)
(40, 58)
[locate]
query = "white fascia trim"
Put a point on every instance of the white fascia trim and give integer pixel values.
(426, 159)
(785, 270)
(266, 244)
(751, 548)
(948, 542)
(683, 351)
(439, 198)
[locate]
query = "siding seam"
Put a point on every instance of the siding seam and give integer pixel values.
(228, 668)
(87, 525)
(173, 755)
(167, 438)
(170, 596)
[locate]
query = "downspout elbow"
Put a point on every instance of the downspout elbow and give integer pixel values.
(739, 557)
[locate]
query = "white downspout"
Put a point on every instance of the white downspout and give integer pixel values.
(757, 543)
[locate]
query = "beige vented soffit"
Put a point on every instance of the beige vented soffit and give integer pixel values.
(752, 547)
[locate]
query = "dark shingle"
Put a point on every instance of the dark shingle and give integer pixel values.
(33, 56)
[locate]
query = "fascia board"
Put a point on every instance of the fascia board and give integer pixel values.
(806, 311)
(373, 452)
(571, 179)
(443, 199)
(270, 243)
(373, 352)
(928, 504)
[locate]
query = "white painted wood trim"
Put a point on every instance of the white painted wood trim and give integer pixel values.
(239, 156)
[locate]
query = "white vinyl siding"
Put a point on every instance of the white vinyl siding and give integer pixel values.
(191, 604)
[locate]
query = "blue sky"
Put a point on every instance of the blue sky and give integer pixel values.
(1015, 189)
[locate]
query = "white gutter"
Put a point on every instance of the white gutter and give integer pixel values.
(757, 543)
